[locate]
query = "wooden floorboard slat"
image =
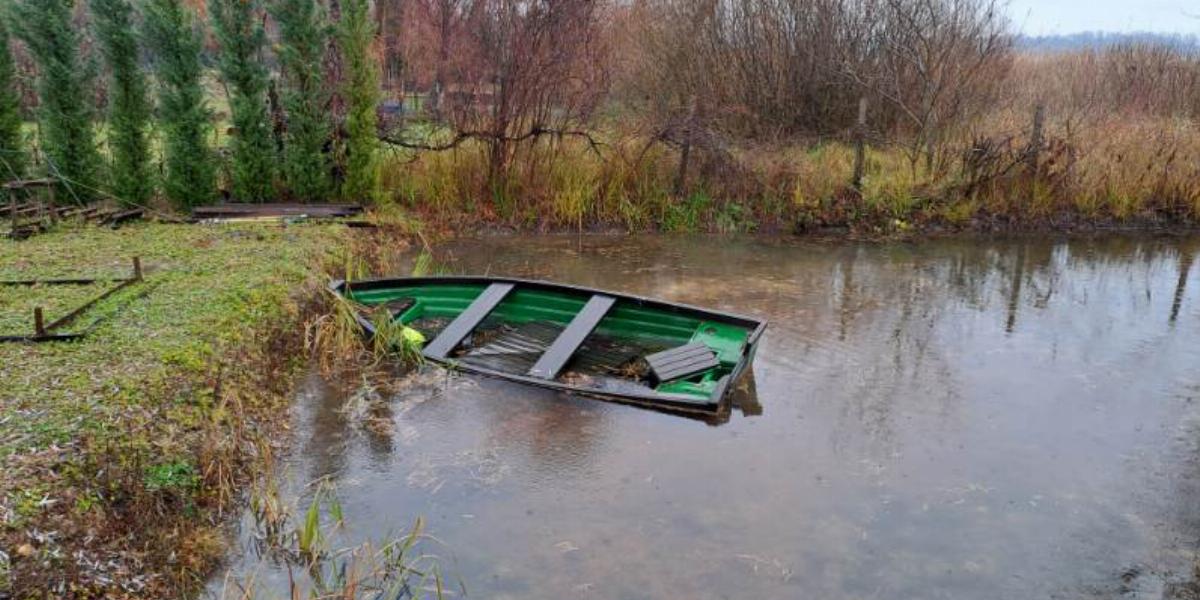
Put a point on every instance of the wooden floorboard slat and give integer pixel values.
(454, 333)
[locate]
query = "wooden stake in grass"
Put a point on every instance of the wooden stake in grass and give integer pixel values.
(860, 145)
(1033, 153)
(685, 155)
(1036, 140)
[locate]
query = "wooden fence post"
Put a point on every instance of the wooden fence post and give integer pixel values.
(39, 322)
(1036, 140)
(12, 206)
(860, 145)
(685, 156)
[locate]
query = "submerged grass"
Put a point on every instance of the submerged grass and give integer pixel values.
(119, 453)
(308, 543)
(337, 337)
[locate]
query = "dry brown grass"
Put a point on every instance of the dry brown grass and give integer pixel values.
(1112, 170)
(1120, 147)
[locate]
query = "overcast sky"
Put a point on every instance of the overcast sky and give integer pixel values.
(1039, 17)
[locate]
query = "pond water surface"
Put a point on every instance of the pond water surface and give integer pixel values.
(951, 419)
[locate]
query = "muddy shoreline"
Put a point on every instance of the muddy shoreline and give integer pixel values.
(449, 226)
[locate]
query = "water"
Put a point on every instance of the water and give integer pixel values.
(951, 419)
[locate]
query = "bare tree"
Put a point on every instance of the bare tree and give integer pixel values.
(389, 17)
(765, 68)
(543, 61)
(446, 24)
(940, 61)
(511, 72)
(761, 68)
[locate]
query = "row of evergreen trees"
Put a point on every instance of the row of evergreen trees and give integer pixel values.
(298, 156)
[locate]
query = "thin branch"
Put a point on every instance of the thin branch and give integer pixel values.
(463, 136)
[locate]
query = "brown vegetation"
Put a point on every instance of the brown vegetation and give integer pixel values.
(741, 114)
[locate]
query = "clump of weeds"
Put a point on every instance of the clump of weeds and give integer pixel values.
(307, 547)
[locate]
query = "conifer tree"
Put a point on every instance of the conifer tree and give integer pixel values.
(13, 158)
(64, 94)
(239, 30)
(302, 36)
(129, 111)
(175, 41)
(361, 91)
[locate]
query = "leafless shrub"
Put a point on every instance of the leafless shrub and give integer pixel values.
(744, 101)
(766, 69)
(510, 73)
(1143, 79)
(759, 68)
(940, 61)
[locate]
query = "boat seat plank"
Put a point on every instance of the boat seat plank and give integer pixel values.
(467, 321)
(552, 362)
(679, 363)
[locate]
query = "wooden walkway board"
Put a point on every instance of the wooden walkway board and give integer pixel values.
(467, 321)
(225, 211)
(563, 348)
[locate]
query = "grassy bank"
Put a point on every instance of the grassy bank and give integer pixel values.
(119, 453)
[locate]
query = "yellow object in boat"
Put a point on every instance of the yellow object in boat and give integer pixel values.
(412, 337)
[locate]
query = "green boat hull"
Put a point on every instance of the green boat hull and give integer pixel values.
(627, 323)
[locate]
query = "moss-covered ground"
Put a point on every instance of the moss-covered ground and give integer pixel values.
(118, 453)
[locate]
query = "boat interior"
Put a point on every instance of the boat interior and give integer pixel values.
(591, 341)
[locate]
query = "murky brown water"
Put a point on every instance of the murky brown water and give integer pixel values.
(951, 419)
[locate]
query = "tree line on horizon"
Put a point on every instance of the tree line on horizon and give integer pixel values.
(1102, 40)
(283, 143)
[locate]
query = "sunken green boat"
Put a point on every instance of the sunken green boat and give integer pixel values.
(613, 346)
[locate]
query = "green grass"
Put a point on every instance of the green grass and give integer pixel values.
(133, 419)
(17, 304)
(208, 282)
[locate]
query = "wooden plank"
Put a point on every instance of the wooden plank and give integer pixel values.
(49, 336)
(94, 301)
(33, 282)
(219, 211)
(123, 216)
(569, 341)
(467, 321)
(681, 371)
(686, 362)
(28, 183)
(675, 360)
(681, 362)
